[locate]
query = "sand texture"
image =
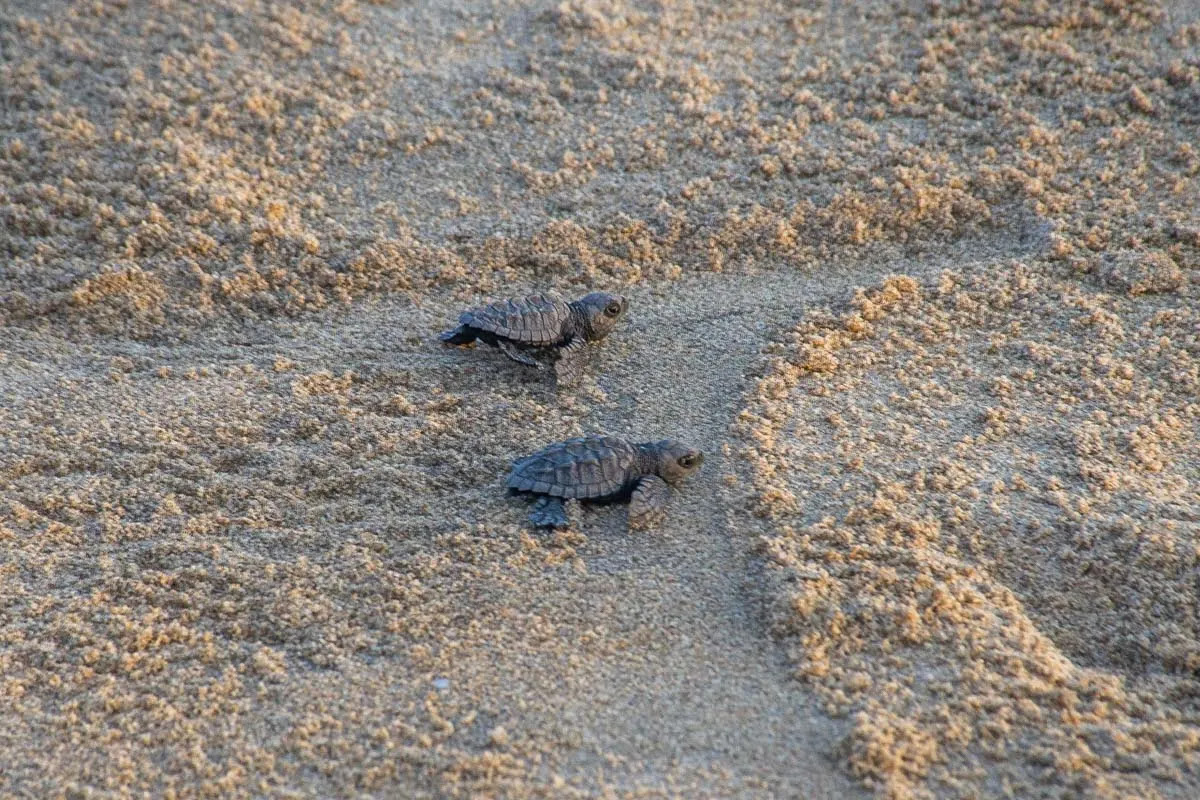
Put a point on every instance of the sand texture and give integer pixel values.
(922, 279)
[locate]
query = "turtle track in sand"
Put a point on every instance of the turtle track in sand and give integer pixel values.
(706, 694)
(340, 557)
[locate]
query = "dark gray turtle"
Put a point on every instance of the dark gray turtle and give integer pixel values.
(603, 469)
(539, 322)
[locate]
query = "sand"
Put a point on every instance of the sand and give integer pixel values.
(920, 278)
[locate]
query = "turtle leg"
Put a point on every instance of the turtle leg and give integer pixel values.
(460, 335)
(571, 358)
(648, 505)
(549, 512)
(512, 351)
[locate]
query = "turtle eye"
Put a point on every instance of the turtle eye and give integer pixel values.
(612, 309)
(686, 461)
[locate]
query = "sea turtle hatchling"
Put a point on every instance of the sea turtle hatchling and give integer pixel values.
(539, 322)
(603, 469)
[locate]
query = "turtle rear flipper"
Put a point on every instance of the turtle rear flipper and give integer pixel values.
(460, 335)
(516, 354)
(549, 512)
(648, 504)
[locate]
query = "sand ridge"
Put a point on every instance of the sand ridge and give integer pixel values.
(999, 525)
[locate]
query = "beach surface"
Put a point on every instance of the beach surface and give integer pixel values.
(921, 279)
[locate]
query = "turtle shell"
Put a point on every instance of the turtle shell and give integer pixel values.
(589, 467)
(536, 320)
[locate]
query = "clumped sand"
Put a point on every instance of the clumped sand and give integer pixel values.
(989, 563)
(921, 278)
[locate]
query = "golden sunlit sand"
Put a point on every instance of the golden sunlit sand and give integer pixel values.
(920, 278)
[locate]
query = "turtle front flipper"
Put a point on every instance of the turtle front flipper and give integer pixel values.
(549, 512)
(648, 505)
(513, 352)
(568, 370)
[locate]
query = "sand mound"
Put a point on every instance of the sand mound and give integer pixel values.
(983, 502)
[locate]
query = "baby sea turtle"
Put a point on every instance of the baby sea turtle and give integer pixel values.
(603, 469)
(540, 322)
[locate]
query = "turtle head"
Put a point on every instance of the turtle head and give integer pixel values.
(600, 311)
(675, 460)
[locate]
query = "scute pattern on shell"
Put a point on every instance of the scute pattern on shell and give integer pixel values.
(583, 468)
(534, 320)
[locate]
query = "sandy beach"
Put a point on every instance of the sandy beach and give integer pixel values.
(922, 279)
